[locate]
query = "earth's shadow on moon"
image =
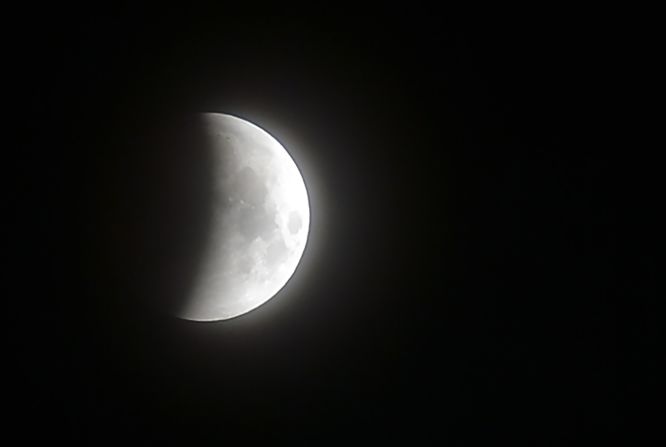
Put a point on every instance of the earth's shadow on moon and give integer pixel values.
(187, 206)
(158, 189)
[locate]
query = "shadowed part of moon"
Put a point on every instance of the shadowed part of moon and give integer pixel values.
(157, 193)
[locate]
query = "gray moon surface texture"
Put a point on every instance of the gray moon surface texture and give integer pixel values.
(260, 222)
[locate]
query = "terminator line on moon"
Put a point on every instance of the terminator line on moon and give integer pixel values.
(260, 223)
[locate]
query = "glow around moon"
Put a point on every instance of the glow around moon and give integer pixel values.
(260, 225)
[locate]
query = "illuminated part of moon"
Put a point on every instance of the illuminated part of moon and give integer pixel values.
(260, 222)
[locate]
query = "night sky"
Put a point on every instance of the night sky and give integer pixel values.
(462, 282)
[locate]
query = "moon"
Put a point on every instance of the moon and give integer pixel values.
(260, 221)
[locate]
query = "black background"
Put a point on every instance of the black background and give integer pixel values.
(462, 277)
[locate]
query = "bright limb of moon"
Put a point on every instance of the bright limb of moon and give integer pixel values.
(260, 222)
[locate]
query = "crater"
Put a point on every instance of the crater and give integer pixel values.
(295, 222)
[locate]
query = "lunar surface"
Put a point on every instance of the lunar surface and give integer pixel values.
(260, 222)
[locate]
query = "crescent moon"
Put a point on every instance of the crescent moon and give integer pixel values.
(260, 222)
